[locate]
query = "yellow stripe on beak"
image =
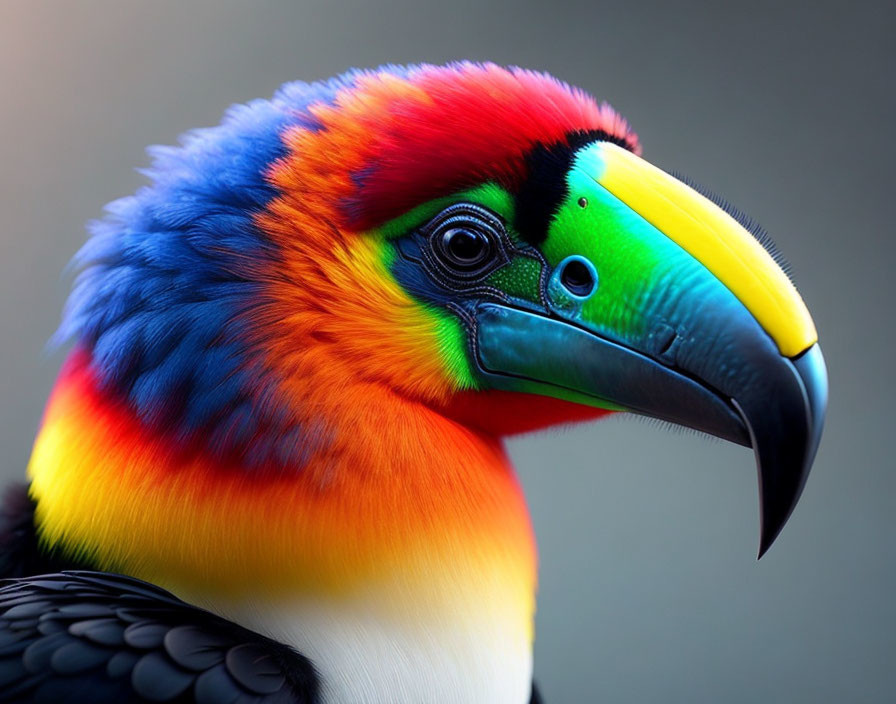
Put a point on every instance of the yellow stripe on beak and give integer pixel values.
(716, 240)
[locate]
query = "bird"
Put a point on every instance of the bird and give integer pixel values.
(272, 468)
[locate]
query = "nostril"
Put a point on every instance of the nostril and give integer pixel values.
(577, 278)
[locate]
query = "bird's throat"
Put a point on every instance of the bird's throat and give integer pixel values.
(406, 539)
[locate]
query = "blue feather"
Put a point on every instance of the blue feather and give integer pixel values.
(162, 288)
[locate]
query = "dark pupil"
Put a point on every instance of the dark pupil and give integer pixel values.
(464, 246)
(576, 278)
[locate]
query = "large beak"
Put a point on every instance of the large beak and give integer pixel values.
(734, 354)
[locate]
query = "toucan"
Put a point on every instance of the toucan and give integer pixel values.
(272, 468)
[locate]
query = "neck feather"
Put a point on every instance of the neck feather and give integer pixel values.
(405, 511)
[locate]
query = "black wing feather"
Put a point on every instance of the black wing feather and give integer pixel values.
(536, 695)
(75, 637)
(21, 553)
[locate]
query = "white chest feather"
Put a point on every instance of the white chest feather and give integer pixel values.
(363, 657)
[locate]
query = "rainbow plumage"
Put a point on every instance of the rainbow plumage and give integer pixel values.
(281, 401)
(222, 317)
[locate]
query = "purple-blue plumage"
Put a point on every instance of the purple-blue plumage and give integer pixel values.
(164, 277)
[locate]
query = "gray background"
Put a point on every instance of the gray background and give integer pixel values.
(650, 591)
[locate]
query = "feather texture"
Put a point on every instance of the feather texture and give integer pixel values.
(102, 638)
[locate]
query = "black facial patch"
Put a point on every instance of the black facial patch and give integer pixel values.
(544, 189)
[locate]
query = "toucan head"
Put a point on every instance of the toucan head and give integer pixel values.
(483, 241)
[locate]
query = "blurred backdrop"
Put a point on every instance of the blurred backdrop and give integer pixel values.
(650, 590)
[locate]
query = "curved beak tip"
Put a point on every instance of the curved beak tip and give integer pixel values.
(785, 443)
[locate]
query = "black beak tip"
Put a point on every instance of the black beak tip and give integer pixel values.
(769, 532)
(784, 468)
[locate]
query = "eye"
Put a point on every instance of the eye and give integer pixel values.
(465, 247)
(465, 241)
